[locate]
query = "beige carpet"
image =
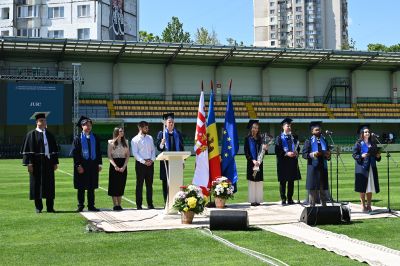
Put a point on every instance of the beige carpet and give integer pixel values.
(143, 220)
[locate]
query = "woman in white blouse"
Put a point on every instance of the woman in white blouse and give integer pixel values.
(118, 154)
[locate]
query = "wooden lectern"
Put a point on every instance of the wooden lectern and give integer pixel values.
(174, 175)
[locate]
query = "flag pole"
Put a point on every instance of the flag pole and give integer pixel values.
(211, 204)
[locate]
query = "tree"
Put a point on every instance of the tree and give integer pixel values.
(174, 32)
(377, 47)
(233, 42)
(202, 36)
(349, 45)
(144, 36)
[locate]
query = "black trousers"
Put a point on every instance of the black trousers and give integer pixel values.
(49, 204)
(144, 174)
(165, 189)
(90, 197)
(290, 189)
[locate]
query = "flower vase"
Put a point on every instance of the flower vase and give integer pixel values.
(220, 202)
(187, 217)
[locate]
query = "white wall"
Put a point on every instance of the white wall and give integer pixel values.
(97, 77)
(373, 83)
(245, 80)
(287, 81)
(141, 78)
(187, 79)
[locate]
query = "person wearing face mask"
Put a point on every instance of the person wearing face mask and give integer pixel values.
(118, 155)
(287, 151)
(316, 152)
(87, 164)
(144, 151)
(366, 154)
(170, 139)
(40, 155)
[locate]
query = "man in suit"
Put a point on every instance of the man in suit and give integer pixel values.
(40, 155)
(170, 139)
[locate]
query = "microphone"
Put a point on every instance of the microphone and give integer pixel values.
(375, 135)
(328, 132)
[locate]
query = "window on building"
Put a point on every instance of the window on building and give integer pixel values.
(271, 3)
(299, 33)
(273, 27)
(298, 1)
(4, 33)
(28, 32)
(83, 10)
(55, 34)
(272, 19)
(272, 43)
(272, 11)
(84, 34)
(28, 11)
(273, 35)
(298, 17)
(5, 13)
(298, 9)
(56, 12)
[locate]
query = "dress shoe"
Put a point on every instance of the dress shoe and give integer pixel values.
(253, 204)
(151, 206)
(258, 204)
(51, 210)
(290, 202)
(38, 211)
(283, 202)
(93, 209)
(139, 208)
(80, 209)
(120, 208)
(115, 208)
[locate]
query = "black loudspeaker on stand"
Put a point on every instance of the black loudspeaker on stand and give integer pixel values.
(229, 220)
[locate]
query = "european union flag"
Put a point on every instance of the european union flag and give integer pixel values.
(230, 143)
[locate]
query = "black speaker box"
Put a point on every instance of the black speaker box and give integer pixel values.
(321, 215)
(228, 220)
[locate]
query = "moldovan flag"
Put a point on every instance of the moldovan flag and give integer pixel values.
(201, 175)
(214, 158)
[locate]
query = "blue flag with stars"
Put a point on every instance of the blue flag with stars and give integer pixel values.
(230, 143)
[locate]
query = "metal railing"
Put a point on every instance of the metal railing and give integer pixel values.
(36, 73)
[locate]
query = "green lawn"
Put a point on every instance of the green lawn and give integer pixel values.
(61, 238)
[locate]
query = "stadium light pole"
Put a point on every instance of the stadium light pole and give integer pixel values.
(77, 82)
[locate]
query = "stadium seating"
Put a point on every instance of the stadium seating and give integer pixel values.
(379, 110)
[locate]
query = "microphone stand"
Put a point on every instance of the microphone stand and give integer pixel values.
(337, 167)
(388, 156)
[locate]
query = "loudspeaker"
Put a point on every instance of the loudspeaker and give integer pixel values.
(346, 213)
(228, 220)
(321, 215)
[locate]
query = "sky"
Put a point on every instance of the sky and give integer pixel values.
(370, 21)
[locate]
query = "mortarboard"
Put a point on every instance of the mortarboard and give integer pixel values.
(38, 115)
(83, 120)
(287, 120)
(168, 116)
(362, 127)
(314, 124)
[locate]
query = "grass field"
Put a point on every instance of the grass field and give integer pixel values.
(61, 238)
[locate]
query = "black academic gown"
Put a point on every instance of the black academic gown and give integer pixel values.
(315, 174)
(42, 184)
(287, 167)
(363, 167)
(249, 173)
(90, 178)
(163, 173)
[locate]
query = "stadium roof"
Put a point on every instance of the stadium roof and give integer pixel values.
(187, 53)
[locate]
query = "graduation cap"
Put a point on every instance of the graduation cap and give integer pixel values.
(362, 127)
(168, 116)
(251, 122)
(287, 120)
(83, 120)
(38, 115)
(314, 124)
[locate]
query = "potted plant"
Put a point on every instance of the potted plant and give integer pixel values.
(222, 189)
(189, 201)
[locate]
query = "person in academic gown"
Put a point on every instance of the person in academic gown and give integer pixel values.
(316, 152)
(170, 139)
(252, 146)
(40, 155)
(287, 150)
(366, 154)
(87, 164)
